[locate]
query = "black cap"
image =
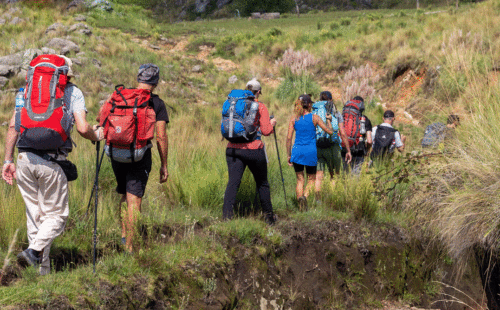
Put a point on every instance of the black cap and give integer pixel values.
(305, 98)
(326, 95)
(388, 114)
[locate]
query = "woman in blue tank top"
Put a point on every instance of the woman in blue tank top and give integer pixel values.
(304, 154)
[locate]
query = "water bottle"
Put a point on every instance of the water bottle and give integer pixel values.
(362, 127)
(20, 99)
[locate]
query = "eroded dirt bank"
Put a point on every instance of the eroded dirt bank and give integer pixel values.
(319, 265)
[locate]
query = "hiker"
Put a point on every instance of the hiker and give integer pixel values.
(386, 139)
(437, 133)
(41, 180)
(247, 148)
(358, 129)
(328, 146)
(131, 162)
(304, 152)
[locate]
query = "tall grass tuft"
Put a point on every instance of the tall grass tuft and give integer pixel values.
(359, 82)
(296, 67)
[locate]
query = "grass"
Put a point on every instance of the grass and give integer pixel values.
(193, 196)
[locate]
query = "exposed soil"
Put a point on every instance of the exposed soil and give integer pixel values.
(334, 264)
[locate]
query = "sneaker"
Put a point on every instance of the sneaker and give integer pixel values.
(303, 203)
(29, 257)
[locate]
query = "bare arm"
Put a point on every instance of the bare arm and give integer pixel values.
(162, 145)
(343, 136)
(369, 139)
(326, 127)
(84, 129)
(402, 148)
(289, 136)
(9, 169)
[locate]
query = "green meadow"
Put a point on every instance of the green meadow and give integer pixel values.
(424, 64)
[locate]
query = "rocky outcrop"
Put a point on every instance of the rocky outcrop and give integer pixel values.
(55, 27)
(63, 46)
(81, 28)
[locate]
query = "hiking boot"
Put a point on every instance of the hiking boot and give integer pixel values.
(270, 219)
(303, 203)
(29, 257)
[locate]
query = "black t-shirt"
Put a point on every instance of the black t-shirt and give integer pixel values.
(160, 108)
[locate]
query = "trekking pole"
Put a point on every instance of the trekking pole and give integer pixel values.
(96, 186)
(93, 187)
(279, 161)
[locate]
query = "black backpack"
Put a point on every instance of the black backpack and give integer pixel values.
(383, 141)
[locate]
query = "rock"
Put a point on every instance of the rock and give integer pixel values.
(5, 70)
(233, 79)
(81, 28)
(11, 60)
(28, 56)
(78, 26)
(55, 27)
(5, 123)
(16, 20)
(200, 6)
(81, 54)
(80, 18)
(74, 4)
(196, 69)
(64, 46)
(3, 81)
(155, 47)
(168, 41)
(2, 21)
(13, 10)
(76, 61)
(221, 3)
(270, 16)
(7, 16)
(96, 63)
(46, 50)
(22, 73)
(255, 15)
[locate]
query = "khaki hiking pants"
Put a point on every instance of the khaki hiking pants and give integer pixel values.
(44, 188)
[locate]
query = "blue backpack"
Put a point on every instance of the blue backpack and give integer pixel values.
(238, 117)
(323, 139)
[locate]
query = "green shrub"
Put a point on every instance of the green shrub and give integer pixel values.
(334, 26)
(345, 21)
(319, 25)
(247, 7)
(275, 32)
(293, 86)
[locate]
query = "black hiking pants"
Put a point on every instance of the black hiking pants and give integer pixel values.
(237, 161)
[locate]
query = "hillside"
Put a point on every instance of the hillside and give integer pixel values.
(400, 234)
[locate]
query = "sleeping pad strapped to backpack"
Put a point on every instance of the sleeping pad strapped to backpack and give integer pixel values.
(238, 117)
(352, 113)
(434, 134)
(44, 122)
(129, 123)
(323, 139)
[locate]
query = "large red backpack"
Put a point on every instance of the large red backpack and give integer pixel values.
(352, 113)
(128, 120)
(44, 122)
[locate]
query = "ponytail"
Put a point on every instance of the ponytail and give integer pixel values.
(301, 108)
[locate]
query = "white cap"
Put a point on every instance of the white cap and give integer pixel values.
(253, 85)
(69, 63)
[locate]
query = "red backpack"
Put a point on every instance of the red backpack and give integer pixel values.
(129, 121)
(352, 121)
(44, 122)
